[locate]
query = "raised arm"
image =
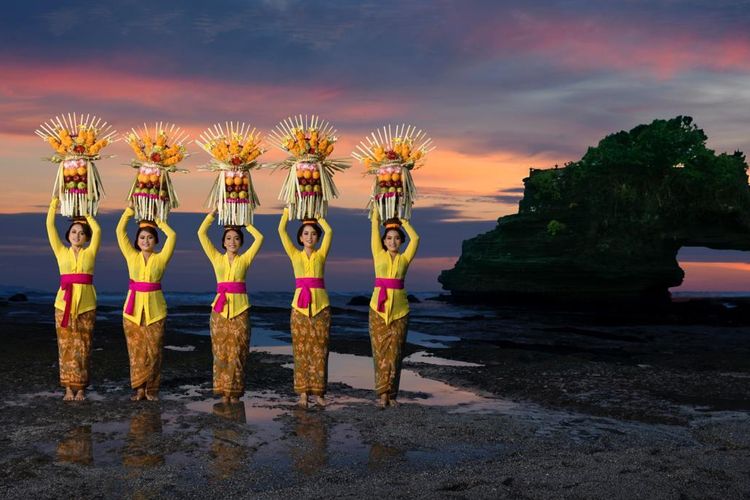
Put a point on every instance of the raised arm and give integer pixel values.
(211, 252)
(375, 243)
(168, 248)
(96, 234)
(257, 243)
(286, 241)
(411, 249)
(122, 236)
(325, 244)
(54, 237)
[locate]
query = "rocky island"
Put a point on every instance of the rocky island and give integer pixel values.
(609, 226)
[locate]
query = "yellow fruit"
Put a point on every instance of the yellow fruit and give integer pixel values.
(81, 170)
(395, 177)
(142, 178)
(316, 174)
(307, 174)
(245, 181)
(229, 181)
(153, 178)
(300, 173)
(238, 181)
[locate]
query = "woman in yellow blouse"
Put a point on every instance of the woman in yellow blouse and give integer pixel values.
(311, 312)
(145, 308)
(75, 304)
(230, 321)
(389, 307)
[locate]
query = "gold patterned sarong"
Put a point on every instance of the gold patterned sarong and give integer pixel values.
(74, 348)
(145, 344)
(230, 340)
(310, 348)
(387, 352)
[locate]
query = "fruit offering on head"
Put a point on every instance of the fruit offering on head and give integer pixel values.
(308, 178)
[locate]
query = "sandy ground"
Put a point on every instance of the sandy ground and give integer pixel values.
(564, 405)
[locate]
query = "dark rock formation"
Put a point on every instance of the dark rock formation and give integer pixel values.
(610, 225)
(359, 300)
(18, 297)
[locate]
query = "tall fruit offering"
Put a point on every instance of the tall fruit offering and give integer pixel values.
(234, 149)
(157, 150)
(77, 141)
(308, 187)
(390, 156)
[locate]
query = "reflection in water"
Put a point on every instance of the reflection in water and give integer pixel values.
(139, 444)
(226, 447)
(76, 447)
(310, 454)
(381, 456)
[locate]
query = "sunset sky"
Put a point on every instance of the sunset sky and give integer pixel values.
(499, 86)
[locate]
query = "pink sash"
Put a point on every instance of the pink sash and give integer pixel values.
(139, 286)
(305, 284)
(225, 287)
(385, 284)
(66, 284)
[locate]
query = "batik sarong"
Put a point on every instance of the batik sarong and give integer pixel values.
(230, 340)
(310, 348)
(387, 352)
(74, 348)
(145, 344)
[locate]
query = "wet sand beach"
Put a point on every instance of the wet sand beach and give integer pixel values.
(511, 402)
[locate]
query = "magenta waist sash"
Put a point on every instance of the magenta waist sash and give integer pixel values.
(305, 284)
(139, 286)
(225, 287)
(385, 284)
(66, 284)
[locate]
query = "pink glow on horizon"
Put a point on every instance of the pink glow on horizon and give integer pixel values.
(591, 43)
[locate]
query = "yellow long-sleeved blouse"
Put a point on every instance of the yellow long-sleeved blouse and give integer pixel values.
(230, 271)
(84, 296)
(149, 304)
(397, 305)
(308, 267)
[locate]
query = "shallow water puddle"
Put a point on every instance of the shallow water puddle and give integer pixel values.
(358, 372)
(429, 359)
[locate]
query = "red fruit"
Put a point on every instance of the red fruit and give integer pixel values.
(382, 184)
(149, 185)
(76, 178)
(155, 157)
(236, 160)
(68, 178)
(311, 150)
(79, 148)
(303, 182)
(391, 155)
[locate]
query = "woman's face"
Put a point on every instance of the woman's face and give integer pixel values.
(232, 241)
(309, 237)
(392, 241)
(76, 236)
(146, 241)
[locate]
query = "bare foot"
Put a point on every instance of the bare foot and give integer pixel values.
(80, 395)
(392, 402)
(383, 401)
(68, 394)
(302, 403)
(320, 401)
(234, 400)
(152, 396)
(139, 395)
(225, 399)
